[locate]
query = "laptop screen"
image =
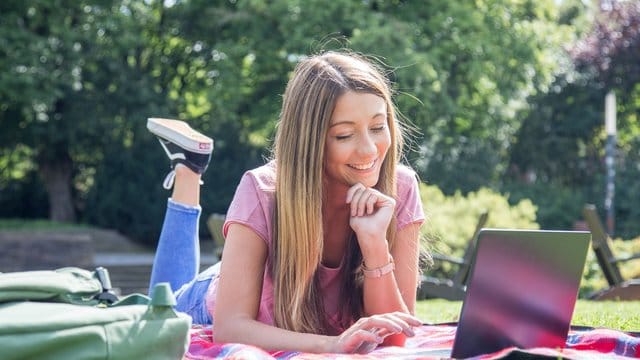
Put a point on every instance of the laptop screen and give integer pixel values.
(522, 290)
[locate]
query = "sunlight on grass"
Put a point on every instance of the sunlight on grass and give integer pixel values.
(438, 310)
(623, 315)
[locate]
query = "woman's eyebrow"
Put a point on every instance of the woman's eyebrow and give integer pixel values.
(343, 122)
(349, 122)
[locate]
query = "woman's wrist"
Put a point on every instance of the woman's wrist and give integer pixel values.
(376, 254)
(379, 271)
(328, 344)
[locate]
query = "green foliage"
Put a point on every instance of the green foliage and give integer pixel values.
(593, 278)
(627, 211)
(558, 207)
(458, 84)
(565, 122)
(82, 76)
(25, 198)
(559, 151)
(21, 191)
(451, 220)
(129, 197)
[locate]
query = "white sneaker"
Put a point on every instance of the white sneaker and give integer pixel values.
(182, 144)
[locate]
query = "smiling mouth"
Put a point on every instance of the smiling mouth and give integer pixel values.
(366, 166)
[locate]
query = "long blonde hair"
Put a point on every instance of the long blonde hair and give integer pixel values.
(309, 101)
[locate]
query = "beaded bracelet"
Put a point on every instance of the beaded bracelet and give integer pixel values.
(379, 271)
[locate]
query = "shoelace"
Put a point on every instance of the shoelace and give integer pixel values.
(169, 179)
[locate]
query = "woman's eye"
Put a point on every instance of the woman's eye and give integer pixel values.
(342, 137)
(378, 128)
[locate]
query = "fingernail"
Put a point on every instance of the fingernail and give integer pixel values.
(409, 332)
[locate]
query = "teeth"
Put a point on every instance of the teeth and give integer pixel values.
(364, 166)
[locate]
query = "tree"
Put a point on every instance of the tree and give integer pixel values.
(454, 80)
(457, 83)
(561, 143)
(223, 65)
(63, 61)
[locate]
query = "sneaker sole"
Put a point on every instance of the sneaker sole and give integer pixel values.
(180, 133)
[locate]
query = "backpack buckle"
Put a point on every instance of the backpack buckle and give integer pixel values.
(107, 295)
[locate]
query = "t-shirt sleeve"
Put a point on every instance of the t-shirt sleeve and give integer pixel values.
(247, 207)
(409, 204)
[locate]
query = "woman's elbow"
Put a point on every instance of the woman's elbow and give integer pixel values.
(222, 332)
(230, 329)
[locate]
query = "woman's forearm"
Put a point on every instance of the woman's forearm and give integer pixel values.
(395, 290)
(381, 295)
(253, 332)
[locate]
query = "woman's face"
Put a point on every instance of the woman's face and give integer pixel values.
(357, 140)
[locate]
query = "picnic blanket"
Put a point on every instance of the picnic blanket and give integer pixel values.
(433, 342)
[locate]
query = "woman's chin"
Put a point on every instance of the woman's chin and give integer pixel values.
(368, 181)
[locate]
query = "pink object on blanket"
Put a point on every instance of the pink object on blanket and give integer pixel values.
(430, 342)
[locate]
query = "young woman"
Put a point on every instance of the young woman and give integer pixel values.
(321, 243)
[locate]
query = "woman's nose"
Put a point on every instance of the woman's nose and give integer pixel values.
(367, 145)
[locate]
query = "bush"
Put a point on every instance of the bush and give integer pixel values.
(128, 196)
(451, 220)
(593, 278)
(24, 197)
(558, 207)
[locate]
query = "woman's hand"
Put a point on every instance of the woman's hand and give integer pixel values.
(371, 210)
(369, 332)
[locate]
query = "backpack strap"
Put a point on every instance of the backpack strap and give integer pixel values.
(67, 285)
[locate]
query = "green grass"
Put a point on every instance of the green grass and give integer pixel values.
(621, 315)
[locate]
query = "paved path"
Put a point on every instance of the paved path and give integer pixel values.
(127, 259)
(131, 272)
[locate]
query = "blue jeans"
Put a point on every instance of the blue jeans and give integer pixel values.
(177, 261)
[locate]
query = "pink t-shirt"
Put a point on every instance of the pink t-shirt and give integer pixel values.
(253, 205)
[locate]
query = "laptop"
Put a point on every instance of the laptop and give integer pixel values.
(521, 291)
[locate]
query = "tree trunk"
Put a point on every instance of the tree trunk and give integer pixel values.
(56, 175)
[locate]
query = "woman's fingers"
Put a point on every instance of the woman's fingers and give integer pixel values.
(369, 336)
(358, 340)
(367, 333)
(391, 323)
(363, 200)
(363, 203)
(398, 322)
(352, 190)
(356, 197)
(366, 347)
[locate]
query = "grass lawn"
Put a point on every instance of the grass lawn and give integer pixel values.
(621, 315)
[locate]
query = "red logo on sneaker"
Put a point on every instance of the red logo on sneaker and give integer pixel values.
(204, 146)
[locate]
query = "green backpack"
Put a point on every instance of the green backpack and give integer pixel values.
(71, 313)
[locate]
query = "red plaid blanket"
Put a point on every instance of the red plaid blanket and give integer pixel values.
(433, 342)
